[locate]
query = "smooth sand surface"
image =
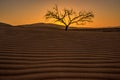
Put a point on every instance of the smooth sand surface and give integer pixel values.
(50, 54)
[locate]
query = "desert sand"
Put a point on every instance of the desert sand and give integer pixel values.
(40, 53)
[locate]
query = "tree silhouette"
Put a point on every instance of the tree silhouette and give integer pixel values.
(69, 16)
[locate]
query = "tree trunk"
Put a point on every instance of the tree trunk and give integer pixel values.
(66, 28)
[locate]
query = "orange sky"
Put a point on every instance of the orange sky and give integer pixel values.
(17, 12)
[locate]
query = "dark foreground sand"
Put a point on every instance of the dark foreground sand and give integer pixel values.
(43, 54)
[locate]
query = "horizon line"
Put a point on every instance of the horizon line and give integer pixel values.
(60, 25)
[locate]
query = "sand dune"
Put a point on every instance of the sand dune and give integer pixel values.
(51, 54)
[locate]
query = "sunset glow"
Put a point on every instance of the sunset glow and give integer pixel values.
(17, 12)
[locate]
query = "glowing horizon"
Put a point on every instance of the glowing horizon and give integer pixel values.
(18, 12)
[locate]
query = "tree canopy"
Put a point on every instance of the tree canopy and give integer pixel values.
(69, 16)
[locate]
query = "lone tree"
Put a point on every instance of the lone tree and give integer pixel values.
(69, 16)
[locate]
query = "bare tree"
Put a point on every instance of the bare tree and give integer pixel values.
(68, 17)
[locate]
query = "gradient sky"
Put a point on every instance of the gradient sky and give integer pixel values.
(17, 12)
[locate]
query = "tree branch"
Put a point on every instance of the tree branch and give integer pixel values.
(68, 17)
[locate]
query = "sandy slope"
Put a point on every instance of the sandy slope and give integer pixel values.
(43, 54)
